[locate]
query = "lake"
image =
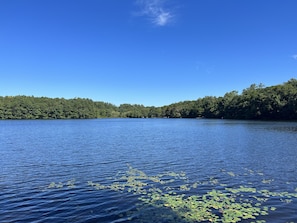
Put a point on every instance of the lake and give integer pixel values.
(148, 170)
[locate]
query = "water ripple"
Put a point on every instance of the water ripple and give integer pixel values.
(45, 171)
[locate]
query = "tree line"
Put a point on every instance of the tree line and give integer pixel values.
(256, 102)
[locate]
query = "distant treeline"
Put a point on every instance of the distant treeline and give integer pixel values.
(256, 102)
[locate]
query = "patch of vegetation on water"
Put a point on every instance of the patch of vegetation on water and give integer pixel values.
(160, 199)
(170, 197)
(69, 184)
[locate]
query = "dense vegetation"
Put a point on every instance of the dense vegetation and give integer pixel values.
(256, 102)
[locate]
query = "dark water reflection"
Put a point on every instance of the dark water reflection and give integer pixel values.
(33, 154)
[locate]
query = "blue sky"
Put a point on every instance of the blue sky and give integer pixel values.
(150, 52)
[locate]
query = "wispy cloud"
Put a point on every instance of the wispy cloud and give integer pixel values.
(294, 57)
(156, 12)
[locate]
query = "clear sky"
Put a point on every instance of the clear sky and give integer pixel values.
(150, 52)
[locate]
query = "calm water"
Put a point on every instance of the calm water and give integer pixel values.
(46, 166)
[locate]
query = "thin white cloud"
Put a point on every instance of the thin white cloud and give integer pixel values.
(156, 12)
(294, 57)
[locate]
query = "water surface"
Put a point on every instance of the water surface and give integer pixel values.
(47, 166)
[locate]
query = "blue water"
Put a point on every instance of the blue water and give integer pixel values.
(33, 154)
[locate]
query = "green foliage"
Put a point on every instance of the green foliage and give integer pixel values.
(255, 102)
(24, 107)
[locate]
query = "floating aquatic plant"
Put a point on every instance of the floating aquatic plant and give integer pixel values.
(171, 197)
(69, 184)
(55, 185)
(226, 206)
